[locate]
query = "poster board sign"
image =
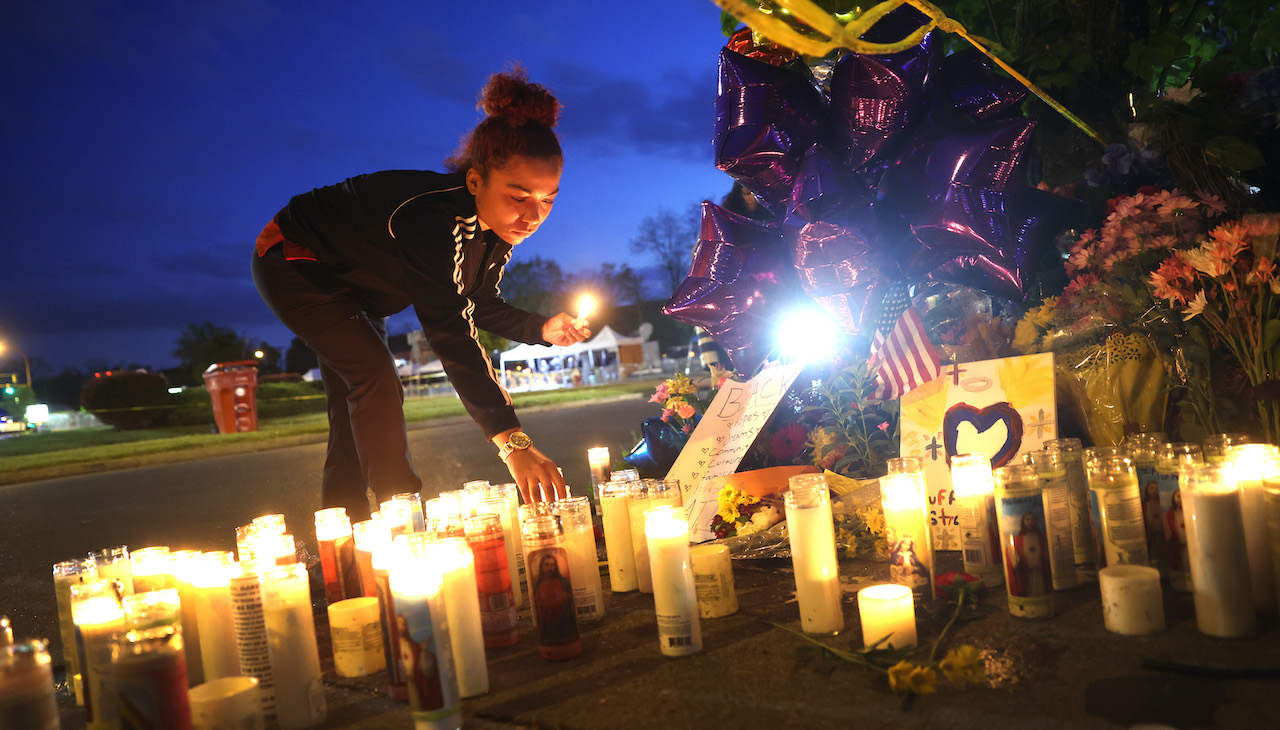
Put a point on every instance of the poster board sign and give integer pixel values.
(1003, 408)
(722, 437)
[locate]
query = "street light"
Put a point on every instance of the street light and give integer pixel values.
(26, 363)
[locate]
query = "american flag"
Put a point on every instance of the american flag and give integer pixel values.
(901, 354)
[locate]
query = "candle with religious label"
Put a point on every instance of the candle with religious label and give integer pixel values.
(66, 574)
(113, 564)
(1215, 446)
(1144, 449)
(974, 486)
(1055, 490)
(675, 596)
(550, 588)
(1132, 604)
(414, 503)
(355, 627)
(584, 564)
(615, 500)
(1170, 461)
(713, 577)
(1071, 454)
(1220, 583)
(813, 554)
(338, 554)
(151, 678)
(98, 614)
(462, 609)
(1254, 464)
(27, 699)
(906, 527)
(211, 592)
(1028, 574)
(1116, 504)
(424, 641)
(493, 579)
(291, 636)
(149, 568)
(250, 625)
(888, 616)
(383, 554)
(183, 564)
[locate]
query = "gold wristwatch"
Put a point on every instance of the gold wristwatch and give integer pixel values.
(517, 441)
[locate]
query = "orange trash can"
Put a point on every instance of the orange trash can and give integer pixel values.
(232, 387)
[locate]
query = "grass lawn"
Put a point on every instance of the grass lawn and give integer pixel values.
(47, 455)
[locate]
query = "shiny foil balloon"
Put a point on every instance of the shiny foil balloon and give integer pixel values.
(841, 265)
(740, 286)
(657, 449)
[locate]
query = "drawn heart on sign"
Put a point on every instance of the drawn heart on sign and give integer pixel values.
(995, 430)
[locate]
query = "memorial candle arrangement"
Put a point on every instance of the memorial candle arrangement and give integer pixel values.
(211, 594)
(291, 636)
(1024, 542)
(974, 487)
(906, 526)
(584, 564)
(462, 611)
(675, 596)
(149, 568)
(66, 574)
(1171, 460)
(550, 588)
(98, 615)
(1253, 465)
(615, 498)
(1116, 506)
(423, 636)
(1220, 582)
(151, 678)
(811, 533)
(338, 554)
(888, 616)
(27, 698)
(498, 617)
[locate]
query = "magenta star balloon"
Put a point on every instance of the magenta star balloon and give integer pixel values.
(841, 265)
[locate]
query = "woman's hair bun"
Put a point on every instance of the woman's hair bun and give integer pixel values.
(511, 96)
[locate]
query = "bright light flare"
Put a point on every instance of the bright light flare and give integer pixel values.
(808, 335)
(586, 305)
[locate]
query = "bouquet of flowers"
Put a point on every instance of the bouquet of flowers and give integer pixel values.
(739, 513)
(681, 403)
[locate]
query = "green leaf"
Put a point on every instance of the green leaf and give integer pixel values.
(1270, 334)
(1233, 153)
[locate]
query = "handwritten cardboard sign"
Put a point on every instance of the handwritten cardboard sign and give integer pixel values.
(716, 447)
(1002, 408)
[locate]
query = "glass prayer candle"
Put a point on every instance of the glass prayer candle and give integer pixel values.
(66, 574)
(598, 463)
(1028, 573)
(675, 595)
(473, 492)
(615, 517)
(415, 509)
(511, 531)
(1144, 449)
(250, 627)
(211, 593)
(98, 615)
(183, 565)
(444, 514)
(338, 555)
(906, 530)
(811, 532)
(1082, 542)
(584, 564)
(272, 524)
(113, 564)
(1215, 447)
(364, 534)
(493, 578)
(462, 607)
(1253, 465)
(424, 641)
(713, 577)
(501, 507)
(151, 678)
(1116, 506)
(646, 494)
(397, 516)
(291, 636)
(150, 569)
(974, 486)
(27, 698)
(550, 588)
(1220, 583)
(624, 475)
(1170, 461)
(888, 616)
(383, 554)
(153, 609)
(1055, 491)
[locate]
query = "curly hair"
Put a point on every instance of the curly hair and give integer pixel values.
(519, 119)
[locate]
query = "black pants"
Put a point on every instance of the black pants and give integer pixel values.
(368, 442)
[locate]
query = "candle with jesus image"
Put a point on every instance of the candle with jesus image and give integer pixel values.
(906, 530)
(550, 587)
(1024, 541)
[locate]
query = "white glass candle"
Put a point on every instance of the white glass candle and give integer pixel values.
(584, 563)
(1055, 490)
(231, 702)
(384, 554)
(1214, 447)
(397, 516)
(1254, 464)
(1132, 603)
(888, 616)
(355, 627)
(615, 514)
(675, 596)
(252, 645)
(598, 462)
(462, 610)
(98, 615)
(1169, 464)
(811, 532)
(423, 634)
(153, 609)
(1071, 453)
(113, 564)
(511, 530)
(643, 496)
(27, 699)
(150, 569)
(295, 658)
(713, 577)
(66, 574)
(1216, 545)
(211, 593)
(414, 502)
(906, 531)
(183, 564)
(974, 487)
(1116, 505)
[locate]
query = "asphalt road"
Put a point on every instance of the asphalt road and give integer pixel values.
(198, 504)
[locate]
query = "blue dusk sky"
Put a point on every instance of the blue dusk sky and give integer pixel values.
(145, 143)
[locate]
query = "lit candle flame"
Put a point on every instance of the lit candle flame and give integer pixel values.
(586, 305)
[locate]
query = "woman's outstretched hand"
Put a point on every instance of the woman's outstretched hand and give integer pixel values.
(563, 330)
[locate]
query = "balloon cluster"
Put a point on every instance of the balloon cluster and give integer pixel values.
(903, 167)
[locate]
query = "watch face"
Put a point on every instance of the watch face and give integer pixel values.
(519, 440)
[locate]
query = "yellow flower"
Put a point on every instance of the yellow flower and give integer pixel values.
(873, 517)
(1025, 335)
(820, 437)
(729, 500)
(963, 664)
(907, 677)
(681, 385)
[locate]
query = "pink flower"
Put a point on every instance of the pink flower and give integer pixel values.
(1212, 202)
(661, 393)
